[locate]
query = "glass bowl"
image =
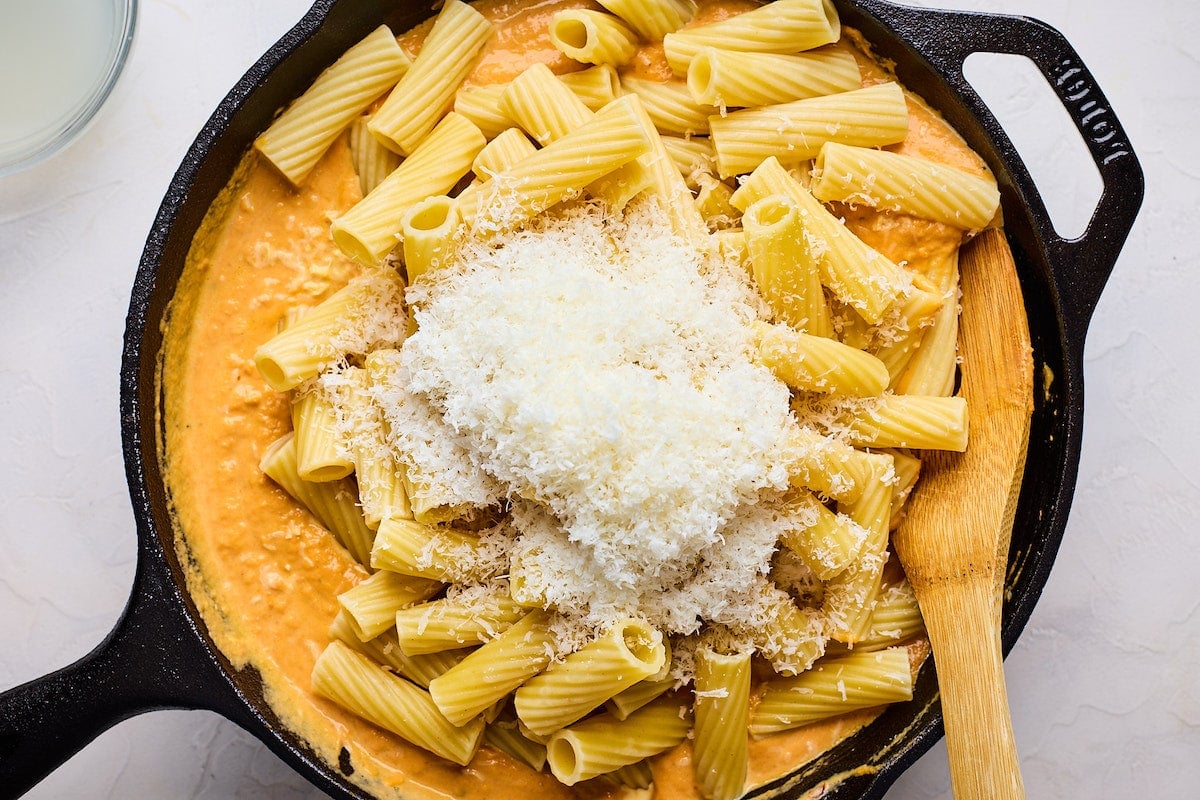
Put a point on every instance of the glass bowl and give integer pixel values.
(59, 60)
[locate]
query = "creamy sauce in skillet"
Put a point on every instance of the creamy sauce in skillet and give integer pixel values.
(264, 574)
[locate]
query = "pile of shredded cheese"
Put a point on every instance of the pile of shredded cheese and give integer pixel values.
(596, 374)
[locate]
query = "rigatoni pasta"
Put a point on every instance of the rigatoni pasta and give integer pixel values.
(427, 89)
(795, 132)
(785, 26)
(301, 135)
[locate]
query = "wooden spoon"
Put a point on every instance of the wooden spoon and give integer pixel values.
(954, 542)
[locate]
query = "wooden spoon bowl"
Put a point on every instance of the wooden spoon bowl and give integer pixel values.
(954, 542)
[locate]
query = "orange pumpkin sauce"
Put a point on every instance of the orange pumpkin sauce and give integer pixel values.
(263, 572)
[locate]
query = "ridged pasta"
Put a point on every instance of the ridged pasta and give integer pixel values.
(453, 623)
(502, 152)
(827, 466)
(496, 669)
(596, 86)
(592, 37)
(385, 649)
(426, 551)
(907, 184)
(321, 454)
(332, 502)
(817, 364)
(795, 132)
(481, 105)
(372, 161)
(542, 105)
(785, 271)
(630, 651)
(357, 684)
(832, 687)
(850, 595)
(603, 743)
(428, 229)
(908, 420)
(625, 702)
(737, 79)
(558, 171)
(722, 713)
(371, 228)
(784, 26)
(856, 273)
(295, 141)
(426, 91)
(829, 543)
(505, 734)
(670, 106)
(932, 368)
(312, 343)
(652, 19)
(371, 605)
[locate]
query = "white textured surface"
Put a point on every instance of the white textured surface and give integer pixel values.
(1102, 683)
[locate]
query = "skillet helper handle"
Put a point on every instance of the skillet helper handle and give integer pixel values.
(947, 38)
(150, 660)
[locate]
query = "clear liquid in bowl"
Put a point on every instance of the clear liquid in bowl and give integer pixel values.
(56, 62)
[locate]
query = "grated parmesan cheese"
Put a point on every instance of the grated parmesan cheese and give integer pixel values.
(599, 372)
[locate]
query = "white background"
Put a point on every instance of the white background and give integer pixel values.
(1103, 682)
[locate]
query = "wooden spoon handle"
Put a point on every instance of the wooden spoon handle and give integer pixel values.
(960, 618)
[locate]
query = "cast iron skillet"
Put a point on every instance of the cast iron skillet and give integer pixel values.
(160, 655)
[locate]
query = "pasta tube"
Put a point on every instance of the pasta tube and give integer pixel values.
(296, 140)
(372, 161)
(491, 672)
(795, 132)
(370, 229)
(857, 274)
(816, 364)
(428, 230)
(787, 274)
(542, 105)
(652, 19)
(850, 595)
(907, 184)
(481, 105)
(438, 553)
(592, 37)
(505, 734)
(357, 316)
(332, 502)
(630, 651)
(507, 149)
(731, 78)
(784, 26)
(320, 453)
(829, 543)
(426, 91)
(603, 743)
(722, 712)
(385, 650)
(355, 683)
(832, 687)
(827, 466)
(932, 368)
(372, 604)
(613, 137)
(452, 623)
(596, 86)
(909, 420)
(670, 106)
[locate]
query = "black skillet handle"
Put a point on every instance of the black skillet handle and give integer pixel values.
(946, 38)
(150, 660)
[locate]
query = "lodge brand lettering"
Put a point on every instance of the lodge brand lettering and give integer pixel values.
(1084, 100)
